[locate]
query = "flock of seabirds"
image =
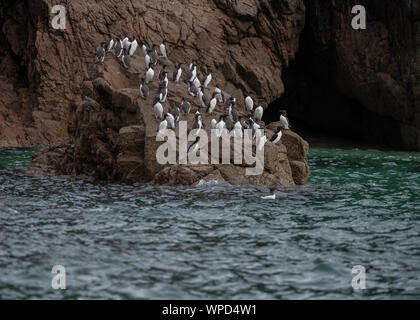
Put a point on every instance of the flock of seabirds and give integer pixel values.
(230, 121)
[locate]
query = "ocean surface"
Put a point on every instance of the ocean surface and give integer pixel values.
(136, 241)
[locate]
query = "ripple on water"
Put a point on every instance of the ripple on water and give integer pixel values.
(122, 241)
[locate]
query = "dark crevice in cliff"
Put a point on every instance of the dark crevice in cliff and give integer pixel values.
(315, 105)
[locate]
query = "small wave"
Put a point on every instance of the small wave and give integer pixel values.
(208, 183)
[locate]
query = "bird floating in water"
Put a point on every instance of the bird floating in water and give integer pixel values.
(272, 195)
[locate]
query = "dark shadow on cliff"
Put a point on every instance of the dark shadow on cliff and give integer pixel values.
(315, 105)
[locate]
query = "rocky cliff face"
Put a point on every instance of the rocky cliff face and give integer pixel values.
(247, 43)
(361, 83)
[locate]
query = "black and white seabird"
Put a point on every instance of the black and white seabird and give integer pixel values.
(207, 79)
(125, 59)
(149, 75)
(145, 47)
(272, 195)
(283, 119)
(193, 73)
(233, 114)
(197, 83)
(177, 73)
(163, 49)
(193, 90)
(258, 113)
(109, 44)
(219, 94)
(194, 146)
(213, 123)
(161, 74)
(277, 136)
(154, 55)
(203, 99)
(118, 49)
(157, 108)
(163, 93)
(100, 54)
(185, 106)
(249, 104)
(126, 42)
(147, 59)
(175, 112)
(133, 46)
(220, 126)
(212, 104)
(162, 126)
(144, 89)
(198, 123)
(171, 120)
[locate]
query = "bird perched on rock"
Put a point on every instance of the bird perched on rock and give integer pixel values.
(258, 113)
(133, 47)
(198, 123)
(220, 126)
(277, 136)
(193, 90)
(203, 99)
(283, 119)
(145, 47)
(118, 49)
(185, 106)
(125, 59)
(212, 104)
(233, 114)
(161, 74)
(175, 112)
(109, 44)
(219, 94)
(177, 73)
(163, 49)
(171, 120)
(154, 55)
(249, 104)
(157, 108)
(149, 75)
(207, 79)
(126, 42)
(144, 89)
(163, 93)
(100, 54)
(162, 126)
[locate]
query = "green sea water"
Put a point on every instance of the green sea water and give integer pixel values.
(140, 241)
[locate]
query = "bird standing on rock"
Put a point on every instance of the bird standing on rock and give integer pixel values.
(100, 53)
(133, 47)
(194, 146)
(249, 104)
(157, 108)
(154, 55)
(258, 113)
(198, 123)
(283, 119)
(109, 44)
(125, 59)
(277, 136)
(144, 89)
(185, 106)
(207, 79)
(163, 49)
(219, 94)
(177, 73)
(149, 75)
(118, 49)
(145, 47)
(212, 104)
(126, 42)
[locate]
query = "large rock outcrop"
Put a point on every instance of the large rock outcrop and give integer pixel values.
(247, 43)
